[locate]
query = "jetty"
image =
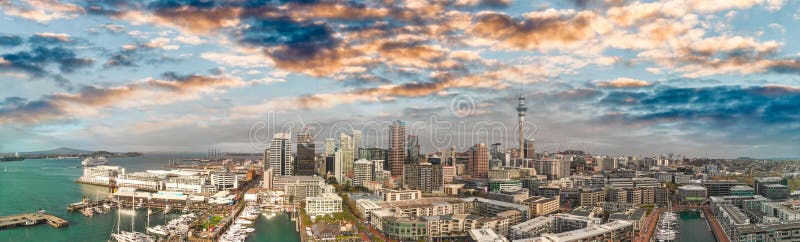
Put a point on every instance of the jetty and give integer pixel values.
(28, 219)
(85, 204)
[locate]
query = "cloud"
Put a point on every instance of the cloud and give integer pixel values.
(385, 93)
(49, 38)
(190, 39)
(624, 82)
(160, 43)
(718, 105)
(10, 40)
(36, 60)
(41, 10)
(544, 29)
(90, 100)
(114, 28)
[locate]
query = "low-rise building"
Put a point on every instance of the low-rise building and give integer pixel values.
(541, 206)
(327, 203)
(691, 194)
(399, 195)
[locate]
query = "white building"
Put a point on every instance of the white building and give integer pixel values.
(328, 203)
(101, 175)
(348, 156)
(279, 155)
(366, 206)
(362, 170)
(225, 180)
(188, 184)
(142, 180)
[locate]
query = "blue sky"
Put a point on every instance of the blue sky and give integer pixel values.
(712, 78)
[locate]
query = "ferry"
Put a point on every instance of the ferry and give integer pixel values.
(94, 161)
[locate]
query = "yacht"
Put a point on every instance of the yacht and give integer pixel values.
(94, 161)
(158, 230)
(125, 236)
(88, 212)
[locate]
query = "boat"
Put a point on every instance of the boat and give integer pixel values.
(99, 210)
(667, 224)
(244, 221)
(125, 236)
(130, 236)
(94, 161)
(88, 212)
(158, 230)
(106, 205)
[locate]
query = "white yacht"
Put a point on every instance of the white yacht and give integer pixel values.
(94, 161)
(125, 236)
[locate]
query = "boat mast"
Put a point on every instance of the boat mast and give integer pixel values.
(133, 208)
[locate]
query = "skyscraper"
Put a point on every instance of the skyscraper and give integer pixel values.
(279, 154)
(413, 150)
(356, 134)
(348, 155)
(330, 146)
(337, 166)
(397, 148)
(529, 150)
(304, 166)
(479, 161)
(521, 109)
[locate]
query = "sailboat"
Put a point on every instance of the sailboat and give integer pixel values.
(132, 236)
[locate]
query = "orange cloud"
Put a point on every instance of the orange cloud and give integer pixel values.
(624, 82)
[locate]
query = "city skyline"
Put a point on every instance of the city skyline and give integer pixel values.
(704, 79)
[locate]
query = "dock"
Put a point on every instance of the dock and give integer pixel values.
(78, 206)
(29, 219)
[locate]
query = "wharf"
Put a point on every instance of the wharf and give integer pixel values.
(29, 219)
(78, 206)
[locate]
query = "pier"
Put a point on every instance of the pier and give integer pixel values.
(29, 219)
(78, 206)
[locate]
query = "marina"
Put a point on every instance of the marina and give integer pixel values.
(54, 181)
(30, 219)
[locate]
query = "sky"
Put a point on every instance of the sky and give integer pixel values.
(703, 78)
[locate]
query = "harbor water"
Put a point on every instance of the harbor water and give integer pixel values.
(693, 228)
(33, 184)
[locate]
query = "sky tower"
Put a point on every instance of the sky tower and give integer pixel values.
(521, 109)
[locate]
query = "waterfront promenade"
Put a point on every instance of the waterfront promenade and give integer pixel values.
(719, 233)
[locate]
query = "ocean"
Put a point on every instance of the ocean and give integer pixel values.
(33, 184)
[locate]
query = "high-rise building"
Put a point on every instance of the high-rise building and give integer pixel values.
(279, 155)
(377, 170)
(424, 177)
(348, 156)
(362, 170)
(337, 166)
(521, 109)
(330, 146)
(496, 151)
(304, 165)
(448, 173)
(267, 179)
(397, 148)
(412, 156)
(529, 151)
(479, 161)
(356, 134)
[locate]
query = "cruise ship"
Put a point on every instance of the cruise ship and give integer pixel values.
(94, 161)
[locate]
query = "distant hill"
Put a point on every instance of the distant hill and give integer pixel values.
(60, 150)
